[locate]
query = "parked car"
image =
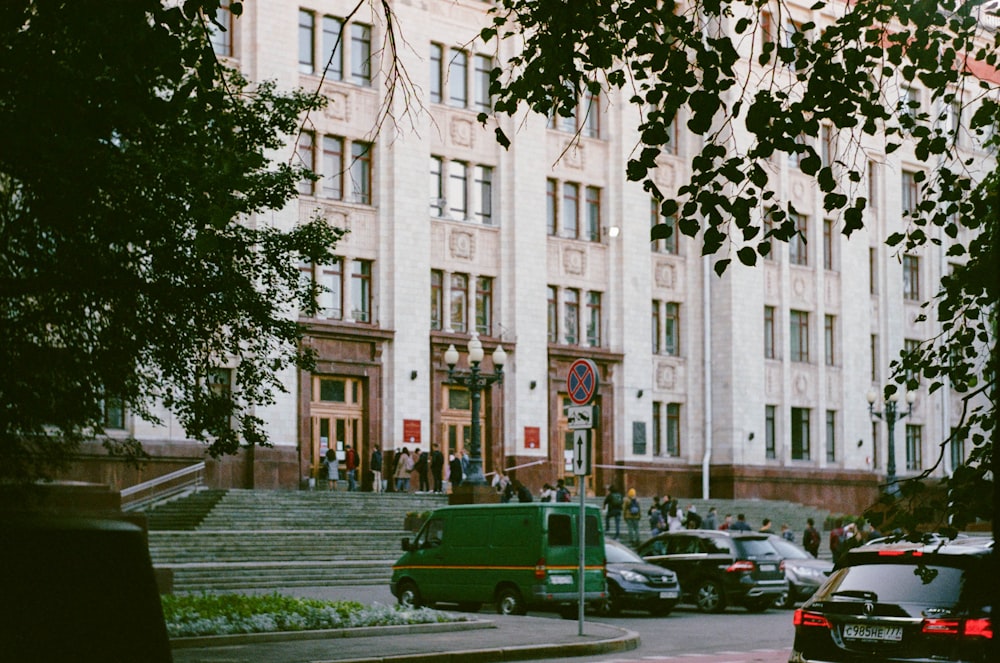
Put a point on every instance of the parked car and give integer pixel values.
(635, 584)
(804, 572)
(904, 601)
(718, 568)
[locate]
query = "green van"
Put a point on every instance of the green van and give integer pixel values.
(517, 556)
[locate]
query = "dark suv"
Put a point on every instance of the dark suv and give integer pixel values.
(718, 568)
(927, 601)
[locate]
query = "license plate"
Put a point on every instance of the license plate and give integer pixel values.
(668, 595)
(561, 580)
(767, 567)
(873, 633)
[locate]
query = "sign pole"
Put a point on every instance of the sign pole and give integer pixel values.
(583, 556)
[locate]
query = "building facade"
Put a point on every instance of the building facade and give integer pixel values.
(752, 384)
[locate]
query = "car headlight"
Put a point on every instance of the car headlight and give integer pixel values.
(632, 576)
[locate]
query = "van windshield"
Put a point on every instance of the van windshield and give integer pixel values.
(560, 527)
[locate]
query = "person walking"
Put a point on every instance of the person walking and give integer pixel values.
(691, 518)
(351, 465)
(836, 536)
(657, 523)
(376, 465)
(548, 493)
(423, 471)
(332, 469)
(437, 469)
(765, 527)
(454, 471)
(786, 532)
(562, 492)
(404, 465)
(522, 492)
(811, 538)
(727, 522)
(632, 515)
(613, 503)
(711, 519)
(741, 524)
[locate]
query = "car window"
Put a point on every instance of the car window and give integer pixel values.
(716, 545)
(560, 530)
(683, 545)
(621, 555)
(748, 548)
(789, 550)
(899, 583)
(432, 534)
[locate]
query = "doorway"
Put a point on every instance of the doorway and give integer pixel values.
(337, 420)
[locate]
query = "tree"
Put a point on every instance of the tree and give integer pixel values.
(136, 257)
(760, 79)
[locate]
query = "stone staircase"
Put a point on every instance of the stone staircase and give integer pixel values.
(261, 539)
(264, 539)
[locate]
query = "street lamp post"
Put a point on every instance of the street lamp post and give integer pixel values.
(891, 414)
(475, 381)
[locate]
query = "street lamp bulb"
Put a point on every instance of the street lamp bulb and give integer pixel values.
(475, 349)
(872, 396)
(499, 357)
(910, 397)
(451, 356)
(894, 397)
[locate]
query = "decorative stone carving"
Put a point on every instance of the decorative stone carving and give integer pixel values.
(573, 156)
(462, 244)
(666, 275)
(800, 383)
(799, 286)
(574, 261)
(665, 176)
(338, 107)
(666, 376)
(461, 132)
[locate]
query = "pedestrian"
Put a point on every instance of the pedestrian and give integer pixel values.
(562, 492)
(501, 484)
(454, 471)
(351, 465)
(437, 469)
(633, 515)
(765, 526)
(423, 471)
(548, 493)
(655, 515)
(674, 522)
(404, 465)
(332, 469)
(691, 519)
(853, 537)
(710, 521)
(836, 536)
(376, 466)
(727, 522)
(522, 492)
(466, 465)
(613, 502)
(786, 532)
(741, 524)
(811, 538)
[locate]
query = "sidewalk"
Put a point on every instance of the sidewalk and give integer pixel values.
(490, 638)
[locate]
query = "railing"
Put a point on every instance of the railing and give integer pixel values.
(182, 480)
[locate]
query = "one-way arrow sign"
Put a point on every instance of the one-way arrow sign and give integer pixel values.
(581, 452)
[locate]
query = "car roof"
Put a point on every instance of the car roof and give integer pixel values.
(928, 549)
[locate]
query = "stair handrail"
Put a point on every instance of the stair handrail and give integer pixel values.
(186, 477)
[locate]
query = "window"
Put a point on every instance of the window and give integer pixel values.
(798, 253)
(333, 168)
(876, 445)
(954, 122)
(222, 38)
(458, 189)
(957, 449)
(591, 122)
(829, 338)
(304, 151)
(331, 297)
(220, 384)
(800, 433)
(910, 348)
(113, 412)
(361, 54)
(909, 193)
(437, 72)
(657, 327)
(593, 206)
(459, 302)
(673, 144)
(873, 270)
(799, 336)
(594, 319)
(911, 278)
(481, 79)
(571, 316)
(914, 445)
(875, 358)
(553, 314)
(828, 246)
(673, 429)
(333, 50)
(657, 429)
(909, 102)
(670, 244)
(482, 198)
(768, 227)
(672, 329)
(827, 146)
(361, 173)
(437, 187)
(769, 326)
(458, 78)
(770, 432)
(831, 436)
(361, 290)
(873, 194)
(306, 46)
(795, 158)
(437, 298)
(551, 207)
(484, 305)
(570, 210)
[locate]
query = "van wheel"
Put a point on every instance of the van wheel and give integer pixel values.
(509, 602)
(409, 595)
(709, 597)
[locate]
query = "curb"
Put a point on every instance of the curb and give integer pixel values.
(325, 634)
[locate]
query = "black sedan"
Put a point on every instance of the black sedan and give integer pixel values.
(636, 584)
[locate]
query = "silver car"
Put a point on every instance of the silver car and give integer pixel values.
(804, 572)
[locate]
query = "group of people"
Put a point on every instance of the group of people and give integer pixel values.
(427, 464)
(663, 515)
(509, 489)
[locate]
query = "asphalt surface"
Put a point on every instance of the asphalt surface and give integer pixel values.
(487, 638)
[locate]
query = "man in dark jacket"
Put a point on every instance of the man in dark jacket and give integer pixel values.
(423, 468)
(454, 471)
(437, 468)
(376, 466)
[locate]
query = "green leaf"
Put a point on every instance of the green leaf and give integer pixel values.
(747, 256)
(720, 266)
